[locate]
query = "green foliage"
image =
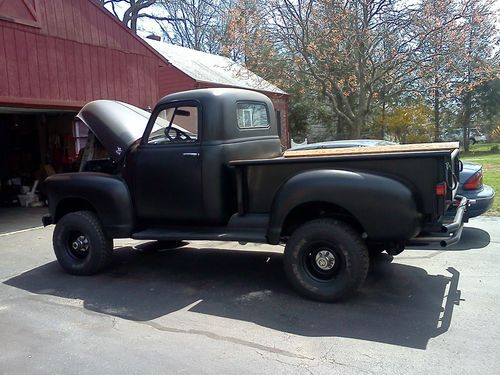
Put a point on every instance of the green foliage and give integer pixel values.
(488, 107)
(484, 148)
(409, 124)
(495, 134)
(305, 110)
(299, 115)
(489, 97)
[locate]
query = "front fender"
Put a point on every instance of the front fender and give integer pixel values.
(108, 195)
(385, 208)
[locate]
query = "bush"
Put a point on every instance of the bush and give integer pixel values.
(495, 134)
(495, 149)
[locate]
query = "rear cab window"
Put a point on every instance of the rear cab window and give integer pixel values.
(252, 115)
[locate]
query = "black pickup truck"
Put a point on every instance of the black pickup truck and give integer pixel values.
(208, 165)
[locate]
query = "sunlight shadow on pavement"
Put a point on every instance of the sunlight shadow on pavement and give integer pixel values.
(399, 304)
(472, 238)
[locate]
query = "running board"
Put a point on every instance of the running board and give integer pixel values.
(211, 234)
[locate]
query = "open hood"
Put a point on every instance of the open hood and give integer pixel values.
(116, 125)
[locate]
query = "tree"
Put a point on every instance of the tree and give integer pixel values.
(355, 50)
(130, 11)
(196, 24)
(488, 105)
(459, 59)
(363, 58)
(441, 47)
(479, 62)
(410, 124)
(248, 40)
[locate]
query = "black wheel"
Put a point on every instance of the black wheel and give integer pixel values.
(472, 141)
(326, 259)
(80, 244)
(374, 250)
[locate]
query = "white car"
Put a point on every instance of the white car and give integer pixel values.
(475, 135)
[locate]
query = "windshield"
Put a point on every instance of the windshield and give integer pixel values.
(173, 125)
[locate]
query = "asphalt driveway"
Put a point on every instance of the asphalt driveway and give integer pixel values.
(222, 308)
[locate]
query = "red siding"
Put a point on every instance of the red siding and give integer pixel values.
(72, 51)
(75, 53)
(4, 85)
(280, 103)
(12, 72)
(171, 79)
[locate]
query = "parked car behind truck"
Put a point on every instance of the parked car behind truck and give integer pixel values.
(207, 165)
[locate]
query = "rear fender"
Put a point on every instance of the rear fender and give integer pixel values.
(105, 194)
(385, 208)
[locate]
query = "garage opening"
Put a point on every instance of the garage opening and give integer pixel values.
(34, 143)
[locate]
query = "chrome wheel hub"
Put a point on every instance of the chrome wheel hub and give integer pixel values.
(325, 260)
(81, 243)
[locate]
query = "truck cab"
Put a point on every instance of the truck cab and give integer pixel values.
(192, 165)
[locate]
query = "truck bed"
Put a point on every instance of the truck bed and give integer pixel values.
(420, 167)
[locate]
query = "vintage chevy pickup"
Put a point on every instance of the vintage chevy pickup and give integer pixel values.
(208, 165)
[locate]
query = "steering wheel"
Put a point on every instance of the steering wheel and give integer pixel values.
(177, 136)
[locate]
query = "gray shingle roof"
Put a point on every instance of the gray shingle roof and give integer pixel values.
(205, 67)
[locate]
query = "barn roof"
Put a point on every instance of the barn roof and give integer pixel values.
(205, 67)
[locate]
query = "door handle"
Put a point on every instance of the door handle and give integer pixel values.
(190, 154)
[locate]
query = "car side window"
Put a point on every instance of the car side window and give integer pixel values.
(175, 125)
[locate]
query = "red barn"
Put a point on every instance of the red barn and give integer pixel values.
(56, 55)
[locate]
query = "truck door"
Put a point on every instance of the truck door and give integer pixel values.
(167, 183)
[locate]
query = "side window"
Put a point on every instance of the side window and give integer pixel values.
(175, 125)
(252, 115)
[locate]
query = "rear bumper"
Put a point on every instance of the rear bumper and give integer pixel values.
(483, 200)
(450, 233)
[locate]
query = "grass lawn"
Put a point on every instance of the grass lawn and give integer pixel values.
(491, 173)
(482, 147)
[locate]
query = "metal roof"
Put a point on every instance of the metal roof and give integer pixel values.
(205, 67)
